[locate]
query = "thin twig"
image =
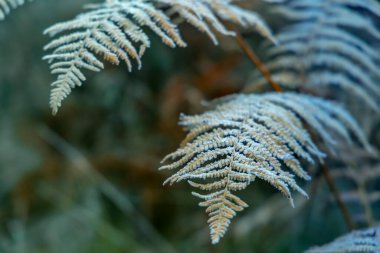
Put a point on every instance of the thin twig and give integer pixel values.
(338, 198)
(334, 190)
(256, 60)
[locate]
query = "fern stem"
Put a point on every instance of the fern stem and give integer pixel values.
(338, 198)
(256, 60)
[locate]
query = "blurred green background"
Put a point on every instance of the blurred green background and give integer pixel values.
(86, 180)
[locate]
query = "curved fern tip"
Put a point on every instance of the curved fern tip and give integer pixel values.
(292, 202)
(215, 240)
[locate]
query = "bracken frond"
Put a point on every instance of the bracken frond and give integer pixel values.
(361, 241)
(329, 46)
(7, 5)
(114, 31)
(360, 190)
(244, 137)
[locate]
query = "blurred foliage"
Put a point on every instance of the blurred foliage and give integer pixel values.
(86, 180)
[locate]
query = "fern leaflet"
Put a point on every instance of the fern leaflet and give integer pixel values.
(7, 5)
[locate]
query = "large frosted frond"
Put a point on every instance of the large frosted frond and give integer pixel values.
(244, 137)
(116, 31)
(329, 47)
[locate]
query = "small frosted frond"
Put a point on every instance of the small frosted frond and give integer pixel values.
(115, 31)
(7, 5)
(329, 46)
(360, 241)
(111, 30)
(244, 137)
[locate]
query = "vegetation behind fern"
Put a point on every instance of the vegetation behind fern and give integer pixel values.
(89, 176)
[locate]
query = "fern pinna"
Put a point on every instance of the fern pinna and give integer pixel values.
(115, 31)
(244, 137)
(7, 5)
(329, 46)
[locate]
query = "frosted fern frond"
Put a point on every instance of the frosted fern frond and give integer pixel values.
(7, 5)
(360, 241)
(206, 16)
(329, 46)
(111, 30)
(244, 137)
(115, 31)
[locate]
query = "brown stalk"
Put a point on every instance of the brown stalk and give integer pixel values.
(338, 198)
(245, 47)
(258, 63)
